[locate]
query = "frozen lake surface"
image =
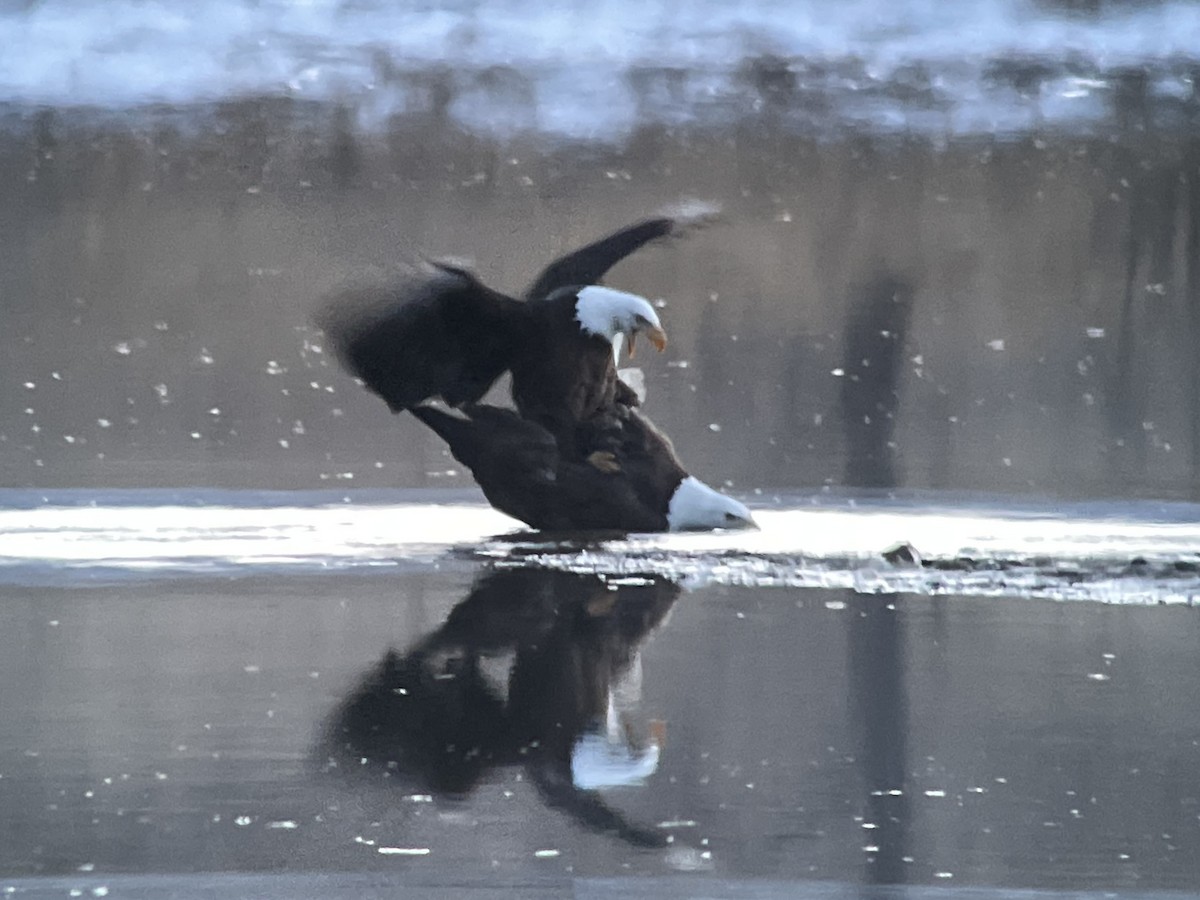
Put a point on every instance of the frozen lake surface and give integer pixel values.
(286, 694)
(1128, 552)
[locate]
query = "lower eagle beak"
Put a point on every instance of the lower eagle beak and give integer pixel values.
(657, 337)
(654, 334)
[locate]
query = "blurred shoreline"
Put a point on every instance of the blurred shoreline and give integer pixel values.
(600, 72)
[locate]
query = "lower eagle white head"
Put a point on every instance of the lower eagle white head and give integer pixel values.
(613, 315)
(697, 507)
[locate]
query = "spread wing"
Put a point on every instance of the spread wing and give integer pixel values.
(589, 265)
(441, 333)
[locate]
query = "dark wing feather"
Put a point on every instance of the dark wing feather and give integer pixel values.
(440, 334)
(588, 265)
(496, 444)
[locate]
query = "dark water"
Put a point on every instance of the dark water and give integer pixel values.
(808, 737)
(1012, 315)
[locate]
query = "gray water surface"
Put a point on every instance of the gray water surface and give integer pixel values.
(423, 724)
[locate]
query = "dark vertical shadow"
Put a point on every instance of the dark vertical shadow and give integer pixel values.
(792, 419)
(1153, 327)
(1025, 76)
(879, 708)
(418, 140)
(249, 128)
(772, 82)
(1127, 406)
(345, 157)
(1192, 256)
(660, 95)
(1131, 100)
(874, 340)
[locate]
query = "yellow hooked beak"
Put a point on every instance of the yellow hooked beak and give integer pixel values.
(654, 334)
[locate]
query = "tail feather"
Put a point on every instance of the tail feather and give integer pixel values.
(484, 437)
(449, 428)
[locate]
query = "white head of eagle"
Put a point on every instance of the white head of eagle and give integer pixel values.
(697, 507)
(612, 314)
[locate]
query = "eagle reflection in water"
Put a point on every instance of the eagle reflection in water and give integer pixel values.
(439, 718)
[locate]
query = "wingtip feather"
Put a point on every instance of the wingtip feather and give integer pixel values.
(692, 213)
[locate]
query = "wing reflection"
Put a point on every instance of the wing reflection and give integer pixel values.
(533, 669)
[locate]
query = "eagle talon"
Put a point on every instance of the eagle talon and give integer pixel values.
(605, 461)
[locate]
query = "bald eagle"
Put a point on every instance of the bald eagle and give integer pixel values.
(576, 454)
(443, 333)
(524, 474)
